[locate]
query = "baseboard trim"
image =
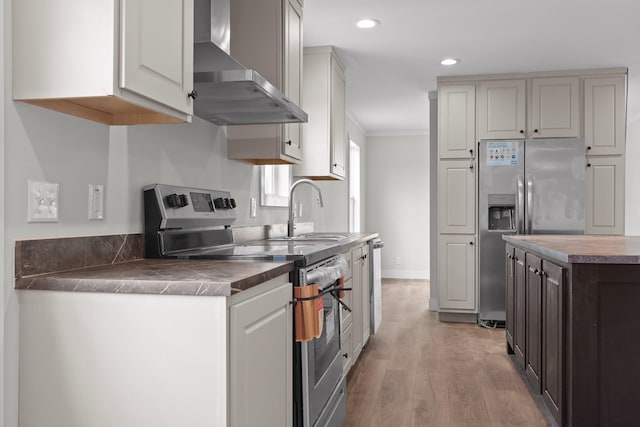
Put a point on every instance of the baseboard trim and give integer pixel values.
(458, 317)
(405, 274)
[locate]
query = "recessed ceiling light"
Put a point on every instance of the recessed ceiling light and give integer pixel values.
(449, 61)
(367, 23)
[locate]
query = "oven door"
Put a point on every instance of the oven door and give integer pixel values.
(322, 363)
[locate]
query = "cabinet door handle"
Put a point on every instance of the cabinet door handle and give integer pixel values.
(535, 131)
(471, 243)
(193, 94)
(533, 270)
(521, 130)
(345, 355)
(289, 142)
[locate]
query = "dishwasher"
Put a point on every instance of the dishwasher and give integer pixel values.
(375, 283)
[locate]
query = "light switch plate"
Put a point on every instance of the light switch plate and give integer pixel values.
(96, 201)
(43, 203)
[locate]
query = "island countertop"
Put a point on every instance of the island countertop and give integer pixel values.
(161, 276)
(581, 249)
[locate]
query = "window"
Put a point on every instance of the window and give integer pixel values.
(275, 182)
(354, 187)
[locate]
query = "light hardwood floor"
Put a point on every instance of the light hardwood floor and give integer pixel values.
(417, 371)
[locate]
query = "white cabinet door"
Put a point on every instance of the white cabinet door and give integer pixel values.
(456, 272)
(604, 115)
(338, 116)
(456, 121)
(456, 196)
(260, 362)
(366, 293)
(604, 199)
(324, 136)
(346, 348)
(293, 74)
(156, 52)
(356, 323)
(555, 107)
(502, 109)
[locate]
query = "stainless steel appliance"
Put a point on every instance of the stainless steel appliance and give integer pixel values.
(375, 285)
(525, 187)
(226, 92)
(194, 223)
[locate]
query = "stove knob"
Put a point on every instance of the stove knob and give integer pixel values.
(173, 201)
(183, 200)
(227, 204)
(232, 203)
(218, 202)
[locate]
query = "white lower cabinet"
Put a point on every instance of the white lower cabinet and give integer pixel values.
(260, 360)
(456, 272)
(355, 325)
(347, 350)
(99, 359)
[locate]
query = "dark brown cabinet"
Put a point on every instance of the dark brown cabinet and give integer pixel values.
(553, 337)
(580, 314)
(533, 321)
(510, 270)
(519, 337)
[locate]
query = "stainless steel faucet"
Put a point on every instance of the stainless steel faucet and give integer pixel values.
(290, 225)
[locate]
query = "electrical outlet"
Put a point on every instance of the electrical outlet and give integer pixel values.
(254, 207)
(43, 204)
(398, 260)
(96, 201)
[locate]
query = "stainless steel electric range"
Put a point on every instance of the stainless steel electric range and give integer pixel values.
(190, 223)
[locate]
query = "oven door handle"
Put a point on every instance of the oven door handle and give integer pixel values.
(332, 290)
(346, 307)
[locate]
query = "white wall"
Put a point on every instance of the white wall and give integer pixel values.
(632, 158)
(44, 145)
(3, 347)
(398, 202)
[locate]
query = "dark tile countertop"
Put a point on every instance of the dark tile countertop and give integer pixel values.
(169, 277)
(580, 249)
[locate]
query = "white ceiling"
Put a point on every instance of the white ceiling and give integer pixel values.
(391, 68)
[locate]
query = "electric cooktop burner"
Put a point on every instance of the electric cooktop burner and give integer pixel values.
(194, 223)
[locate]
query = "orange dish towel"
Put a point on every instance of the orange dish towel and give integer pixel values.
(309, 312)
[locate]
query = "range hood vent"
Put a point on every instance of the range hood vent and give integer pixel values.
(228, 92)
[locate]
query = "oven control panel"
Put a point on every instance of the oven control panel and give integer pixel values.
(183, 207)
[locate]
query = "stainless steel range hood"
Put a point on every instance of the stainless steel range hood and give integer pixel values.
(228, 92)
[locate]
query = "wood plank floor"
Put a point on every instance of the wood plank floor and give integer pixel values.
(417, 371)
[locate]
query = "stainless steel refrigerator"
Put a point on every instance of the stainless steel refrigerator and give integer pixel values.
(525, 187)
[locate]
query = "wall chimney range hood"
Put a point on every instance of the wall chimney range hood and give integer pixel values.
(227, 92)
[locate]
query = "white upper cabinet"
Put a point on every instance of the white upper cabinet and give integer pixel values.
(604, 198)
(267, 37)
(605, 115)
(155, 62)
(456, 121)
(324, 136)
(555, 107)
(114, 62)
(502, 109)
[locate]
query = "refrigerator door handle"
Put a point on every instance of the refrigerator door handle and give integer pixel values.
(529, 204)
(520, 205)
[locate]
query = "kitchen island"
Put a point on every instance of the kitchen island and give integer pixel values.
(157, 343)
(573, 316)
